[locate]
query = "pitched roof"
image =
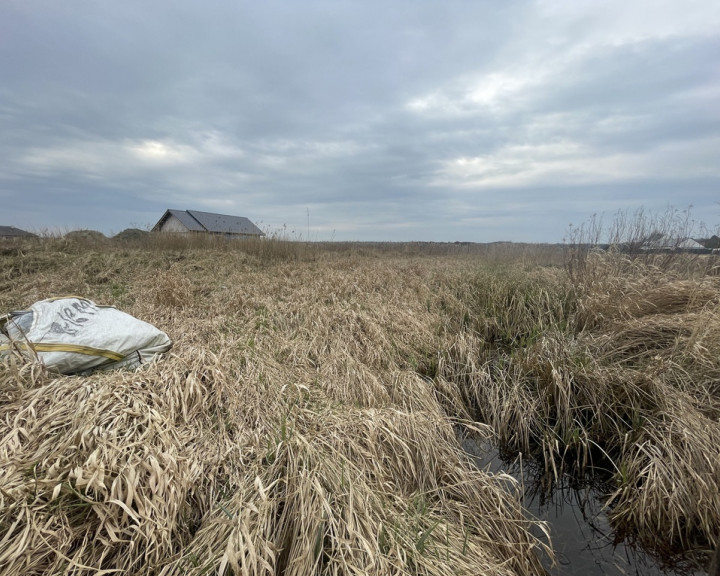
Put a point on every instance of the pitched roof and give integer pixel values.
(188, 221)
(197, 221)
(12, 231)
(225, 224)
(663, 242)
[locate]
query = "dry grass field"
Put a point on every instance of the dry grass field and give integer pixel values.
(306, 420)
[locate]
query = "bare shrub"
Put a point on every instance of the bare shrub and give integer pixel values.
(648, 239)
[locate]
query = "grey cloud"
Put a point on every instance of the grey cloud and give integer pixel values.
(111, 112)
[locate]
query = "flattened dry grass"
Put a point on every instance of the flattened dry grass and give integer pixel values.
(305, 420)
(298, 426)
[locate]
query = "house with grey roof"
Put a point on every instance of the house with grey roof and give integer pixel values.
(197, 222)
(10, 232)
(659, 242)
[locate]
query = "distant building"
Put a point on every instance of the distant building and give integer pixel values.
(196, 222)
(712, 243)
(12, 232)
(661, 243)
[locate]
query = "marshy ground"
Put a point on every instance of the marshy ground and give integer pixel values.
(309, 417)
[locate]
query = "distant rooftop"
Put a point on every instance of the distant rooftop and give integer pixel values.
(197, 221)
(664, 242)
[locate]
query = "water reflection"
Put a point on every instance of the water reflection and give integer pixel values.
(582, 536)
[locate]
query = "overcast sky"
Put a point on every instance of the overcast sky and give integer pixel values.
(394, 120)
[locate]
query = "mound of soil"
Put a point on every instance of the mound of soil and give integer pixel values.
(92, 236)
(131, 235)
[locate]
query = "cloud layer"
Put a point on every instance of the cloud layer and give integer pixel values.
(457, 121)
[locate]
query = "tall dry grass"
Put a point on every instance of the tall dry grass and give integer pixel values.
(614, 370)
(297, 427)
(305, 421)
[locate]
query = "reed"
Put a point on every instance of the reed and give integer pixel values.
(617, 372)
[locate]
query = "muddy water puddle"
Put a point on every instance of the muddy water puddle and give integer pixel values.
(582, 536)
